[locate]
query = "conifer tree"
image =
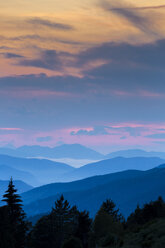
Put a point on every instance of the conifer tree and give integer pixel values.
(5, 234)
(13, 202)
(84, 227)
(109, 207)
(61, 220)
(16, 216)
(57, 227)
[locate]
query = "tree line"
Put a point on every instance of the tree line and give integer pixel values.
(67, 227)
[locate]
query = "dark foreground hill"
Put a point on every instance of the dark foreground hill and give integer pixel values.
(126, 190)
(86, 184)
(161, 166)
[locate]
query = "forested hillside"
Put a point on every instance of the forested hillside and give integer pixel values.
(127, 189)
(65, 226)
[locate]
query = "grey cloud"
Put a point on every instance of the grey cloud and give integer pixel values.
(123, 137)
(29, 37)
(138, 66)
(11, 55)
(86, 110)
(49, 24)
(134, 15)
(134, 131)
(151, 7)
(48, 59)
(96, 131)
(159, 142)
(44, 139)
(156, 136)
(106, 130)
(5, 48)
(36, 37)
(130, 68)
(21, 37)
(150, 54)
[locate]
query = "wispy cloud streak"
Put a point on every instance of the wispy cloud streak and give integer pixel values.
(142, 21)
(49, 24)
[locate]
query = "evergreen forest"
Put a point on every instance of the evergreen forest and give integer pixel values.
(67, 227)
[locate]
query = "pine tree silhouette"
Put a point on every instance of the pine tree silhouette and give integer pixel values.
(109, 207)
(61, 216)
(14, 203)
(16, 215)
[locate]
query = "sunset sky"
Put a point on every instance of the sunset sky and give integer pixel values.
(83, 71)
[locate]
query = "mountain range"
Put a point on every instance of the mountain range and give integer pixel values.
(126, 189)
(32, 171)
(135, 153)
(6, 172)
(128, 181)
(113, 165)
(38, 172)
(74, 151)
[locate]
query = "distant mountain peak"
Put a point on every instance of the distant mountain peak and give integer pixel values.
(73, 151)
(135, 153)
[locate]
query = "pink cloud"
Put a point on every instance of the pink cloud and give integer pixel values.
(137, 93)
(28, 93)
(122, 93)
(151, 94)
(10, 129)
(29, 137)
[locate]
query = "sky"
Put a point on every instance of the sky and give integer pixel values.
(83, 71)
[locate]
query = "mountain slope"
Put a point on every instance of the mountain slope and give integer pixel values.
(20, 186)
(6, 172)
(135, 153)
(126, 192)
(161, 166)
(76, 151)
(85, 184)
(114, 165)
(46, 171)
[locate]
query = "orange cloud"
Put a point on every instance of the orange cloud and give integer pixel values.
(72, 26)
